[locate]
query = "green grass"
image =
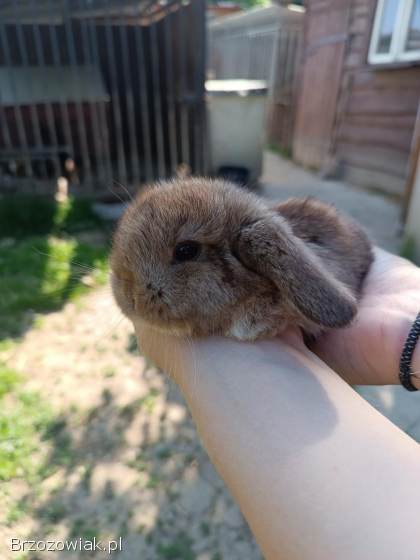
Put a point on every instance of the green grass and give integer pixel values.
(24, 418)
(54, 512)
(9, 378)
(43, 264)
(34, 443)
(23, 215)
(82, 528)
(16, 512)
(180, 547)
(39, 274)
(205, 528)
(148, 403)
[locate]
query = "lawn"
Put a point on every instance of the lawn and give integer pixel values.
(24, 421)
(45, 259)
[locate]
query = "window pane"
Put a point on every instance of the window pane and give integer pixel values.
(388, 18)
(413, 37)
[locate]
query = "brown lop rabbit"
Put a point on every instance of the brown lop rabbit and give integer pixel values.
(198, 256)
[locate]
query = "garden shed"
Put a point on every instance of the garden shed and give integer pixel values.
(116, 87)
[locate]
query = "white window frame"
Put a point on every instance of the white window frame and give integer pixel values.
(399, 35)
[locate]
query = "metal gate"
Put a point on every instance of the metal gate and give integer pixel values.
(261, 44)
(97, 90)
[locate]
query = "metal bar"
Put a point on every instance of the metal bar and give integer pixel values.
(115, 100)
(4, 127)
(104, 134)
(250, 56)
(144, 104)
(267, 58)
(259, 60)
(287, 61)
(39, 52)
(103, 120)
(93, 109)
(173, 146)
(205, 138)
(182, 94)
(275, 62)
(34, 152)
(69, 33)
(17, 110)
(295, 50)
(198, 12)
(243, 44)
(23, 55)
(154, 58)
(128, 86)
(64, 110)
(280, 66)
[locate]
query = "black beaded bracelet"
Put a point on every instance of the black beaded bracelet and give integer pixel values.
(406, 371)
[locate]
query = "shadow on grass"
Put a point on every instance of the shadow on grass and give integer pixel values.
(132, 472)
(43, 262)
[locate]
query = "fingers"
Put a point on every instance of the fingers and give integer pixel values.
(367, 352)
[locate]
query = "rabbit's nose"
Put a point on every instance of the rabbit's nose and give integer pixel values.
(155, 291)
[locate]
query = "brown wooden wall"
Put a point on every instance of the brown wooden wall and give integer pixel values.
(365, 122)
(325, 33)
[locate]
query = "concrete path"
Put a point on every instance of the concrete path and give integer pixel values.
(283, 179)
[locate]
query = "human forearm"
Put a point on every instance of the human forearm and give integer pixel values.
(316, 471)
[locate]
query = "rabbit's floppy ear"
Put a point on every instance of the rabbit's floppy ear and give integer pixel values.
(269, 248)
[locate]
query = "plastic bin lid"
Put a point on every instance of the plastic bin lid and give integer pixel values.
(236, 87)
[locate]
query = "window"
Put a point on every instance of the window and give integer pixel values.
(396, 32)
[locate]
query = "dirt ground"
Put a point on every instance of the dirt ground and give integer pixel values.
(133, 466)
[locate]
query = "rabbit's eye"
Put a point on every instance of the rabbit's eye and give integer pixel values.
(187, 251)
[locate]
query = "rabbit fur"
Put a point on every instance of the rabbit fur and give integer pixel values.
(254, 269)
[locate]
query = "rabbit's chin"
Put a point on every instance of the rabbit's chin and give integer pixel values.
(248, 328)
(257, 320)
(245, 329)
(181, 330)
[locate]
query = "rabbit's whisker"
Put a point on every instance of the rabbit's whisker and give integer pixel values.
(124, 188)
(65, 262)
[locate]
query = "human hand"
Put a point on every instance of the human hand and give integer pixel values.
(369, 350)
(297, 447)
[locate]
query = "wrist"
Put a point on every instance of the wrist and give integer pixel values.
(410, 355)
